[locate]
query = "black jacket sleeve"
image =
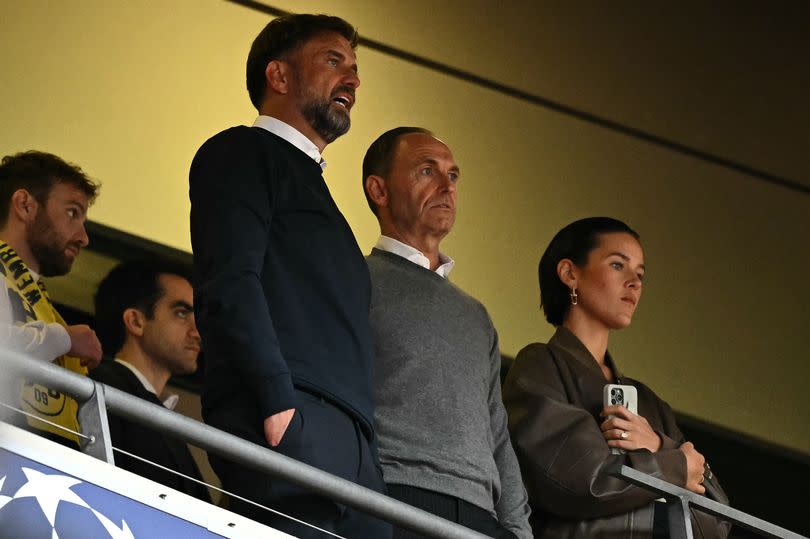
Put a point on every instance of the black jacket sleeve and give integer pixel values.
(231, 191)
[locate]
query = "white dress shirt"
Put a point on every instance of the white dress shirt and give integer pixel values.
(291, 135)
(415, 255)
(171, 400)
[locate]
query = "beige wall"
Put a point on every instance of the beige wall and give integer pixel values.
(129, 90)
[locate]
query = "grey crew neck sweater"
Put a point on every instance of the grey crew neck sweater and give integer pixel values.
(439, 414)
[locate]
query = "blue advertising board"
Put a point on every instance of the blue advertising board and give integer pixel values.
(51, 492)
(39, 501)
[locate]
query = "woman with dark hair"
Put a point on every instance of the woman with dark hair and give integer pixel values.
(564, 437)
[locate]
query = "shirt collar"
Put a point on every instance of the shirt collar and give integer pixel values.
(139, 375)
(414, 255)
(171, 400)
(291, 135)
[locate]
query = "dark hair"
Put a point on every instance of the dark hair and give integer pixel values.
(574, 242)
(281, 37)
(129, 285)
(380, 155)
(37, 173)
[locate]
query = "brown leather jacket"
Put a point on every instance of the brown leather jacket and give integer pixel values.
(553, 395)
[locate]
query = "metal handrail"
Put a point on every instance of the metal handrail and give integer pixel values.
(681, 500)
(228, 446)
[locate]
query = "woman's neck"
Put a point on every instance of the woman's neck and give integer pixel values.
(593, 335)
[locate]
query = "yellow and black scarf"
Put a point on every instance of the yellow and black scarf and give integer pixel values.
(29, 301)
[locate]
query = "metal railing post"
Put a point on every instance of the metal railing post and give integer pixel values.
(6, 392)
(95, 425)
(680, 518)
(683, 501)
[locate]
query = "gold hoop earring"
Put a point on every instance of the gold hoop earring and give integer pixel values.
(574, 297)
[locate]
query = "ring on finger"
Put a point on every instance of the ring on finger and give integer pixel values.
(625, 435)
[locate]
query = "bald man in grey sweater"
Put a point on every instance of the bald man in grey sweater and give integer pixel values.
(443, 440)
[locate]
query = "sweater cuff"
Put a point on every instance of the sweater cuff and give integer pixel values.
(276, 395)
(61, 339)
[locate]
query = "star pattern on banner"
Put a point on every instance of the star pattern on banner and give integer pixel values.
(3, 499)
(50, 490)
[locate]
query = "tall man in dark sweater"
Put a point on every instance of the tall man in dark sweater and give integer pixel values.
(145, 320)
(281, 288)
(444, 445)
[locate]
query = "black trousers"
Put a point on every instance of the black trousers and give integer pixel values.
(324, 436)
(447, 507)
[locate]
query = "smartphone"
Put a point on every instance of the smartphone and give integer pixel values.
(620, 395)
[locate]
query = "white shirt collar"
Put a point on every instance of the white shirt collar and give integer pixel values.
(171, 400)
(291, 135)
(415, 255)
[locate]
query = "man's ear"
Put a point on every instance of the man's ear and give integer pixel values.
(376, 190)
(568, 272)
(134, 321)
(277, 75)
(24, 206)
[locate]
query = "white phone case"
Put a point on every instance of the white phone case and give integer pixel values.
(623, 395)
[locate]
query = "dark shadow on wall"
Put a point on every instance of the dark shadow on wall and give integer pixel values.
(760, 478)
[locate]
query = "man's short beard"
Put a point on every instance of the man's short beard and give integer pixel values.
(45, 246)
(326, 119)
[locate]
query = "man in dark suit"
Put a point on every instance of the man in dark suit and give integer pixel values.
(282, 290)
(145, 317)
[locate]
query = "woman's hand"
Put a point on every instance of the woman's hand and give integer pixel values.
(628, 431)
(695, 463)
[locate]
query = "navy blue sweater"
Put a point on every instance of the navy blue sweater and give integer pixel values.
(281, 288)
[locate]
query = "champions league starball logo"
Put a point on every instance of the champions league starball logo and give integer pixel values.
(38, 501)
(47, 492)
